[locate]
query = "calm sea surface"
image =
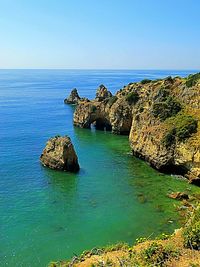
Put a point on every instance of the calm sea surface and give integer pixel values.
(48, 215)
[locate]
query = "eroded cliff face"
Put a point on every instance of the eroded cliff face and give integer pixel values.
(161, 117)
(168, 137)
(105, 111)
(73, 98)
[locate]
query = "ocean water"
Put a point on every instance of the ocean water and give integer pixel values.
(48, 215)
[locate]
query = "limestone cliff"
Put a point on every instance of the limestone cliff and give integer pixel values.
(161, 117)
(106, 111)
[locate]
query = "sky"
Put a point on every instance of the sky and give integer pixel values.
(100, 34)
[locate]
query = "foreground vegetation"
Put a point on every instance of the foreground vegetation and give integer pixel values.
(182, 249)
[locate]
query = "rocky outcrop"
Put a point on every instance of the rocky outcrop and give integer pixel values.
(165, 127)
(102, 93)
(161, 117)
(106, 111)
(59, 154)
(73, 98)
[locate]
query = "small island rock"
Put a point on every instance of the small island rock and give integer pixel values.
(73, 97)
(59, 154)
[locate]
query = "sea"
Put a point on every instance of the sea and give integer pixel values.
(48, 215)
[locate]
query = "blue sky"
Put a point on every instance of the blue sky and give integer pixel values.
(115, 34)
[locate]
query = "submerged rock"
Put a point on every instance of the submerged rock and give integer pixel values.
(73, 97)
(178, 195)
(59, 154)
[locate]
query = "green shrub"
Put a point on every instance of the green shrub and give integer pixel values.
(165, 109)
(169, 79)
(153, 249)
(162, 236)
(191, 232)
(112, 100)
(185, 127)
(132, 98)
(182, 127)
(156, 254)
(93, 108)
(157, 80)
(58, 135)
(169, 138)
(145, 81)
(192, 79)
(162, 95)
(141, 240)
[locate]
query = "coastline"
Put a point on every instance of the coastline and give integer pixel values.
(32, 104)
(160, 116)
(181, 249)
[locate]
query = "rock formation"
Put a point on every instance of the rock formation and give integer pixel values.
(178, 196)
(161, 117)
(106, 111)
(102, 93)
(59, 154)
(73, 98)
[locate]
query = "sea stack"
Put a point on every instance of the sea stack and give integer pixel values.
(73, 98)
(59, 154)
(102, 93)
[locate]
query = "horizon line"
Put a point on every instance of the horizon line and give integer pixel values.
(139, 69)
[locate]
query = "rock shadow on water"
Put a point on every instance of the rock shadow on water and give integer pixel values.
(61, 182)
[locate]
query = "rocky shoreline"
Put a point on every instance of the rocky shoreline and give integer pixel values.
(181, 249)
(161, 118)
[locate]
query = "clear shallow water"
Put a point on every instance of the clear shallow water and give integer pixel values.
(48, 215)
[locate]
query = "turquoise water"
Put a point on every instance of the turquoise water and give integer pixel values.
(49, 215)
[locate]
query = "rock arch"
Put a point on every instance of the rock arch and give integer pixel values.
(101, 124)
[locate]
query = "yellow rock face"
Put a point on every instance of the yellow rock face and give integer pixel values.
(153, 113)
(59, 154)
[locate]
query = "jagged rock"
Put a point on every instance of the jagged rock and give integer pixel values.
(59, 154)
(73, 97)
(166, 143)
(115, 117)
(102, 93)
(162, 119)
(178, 196)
